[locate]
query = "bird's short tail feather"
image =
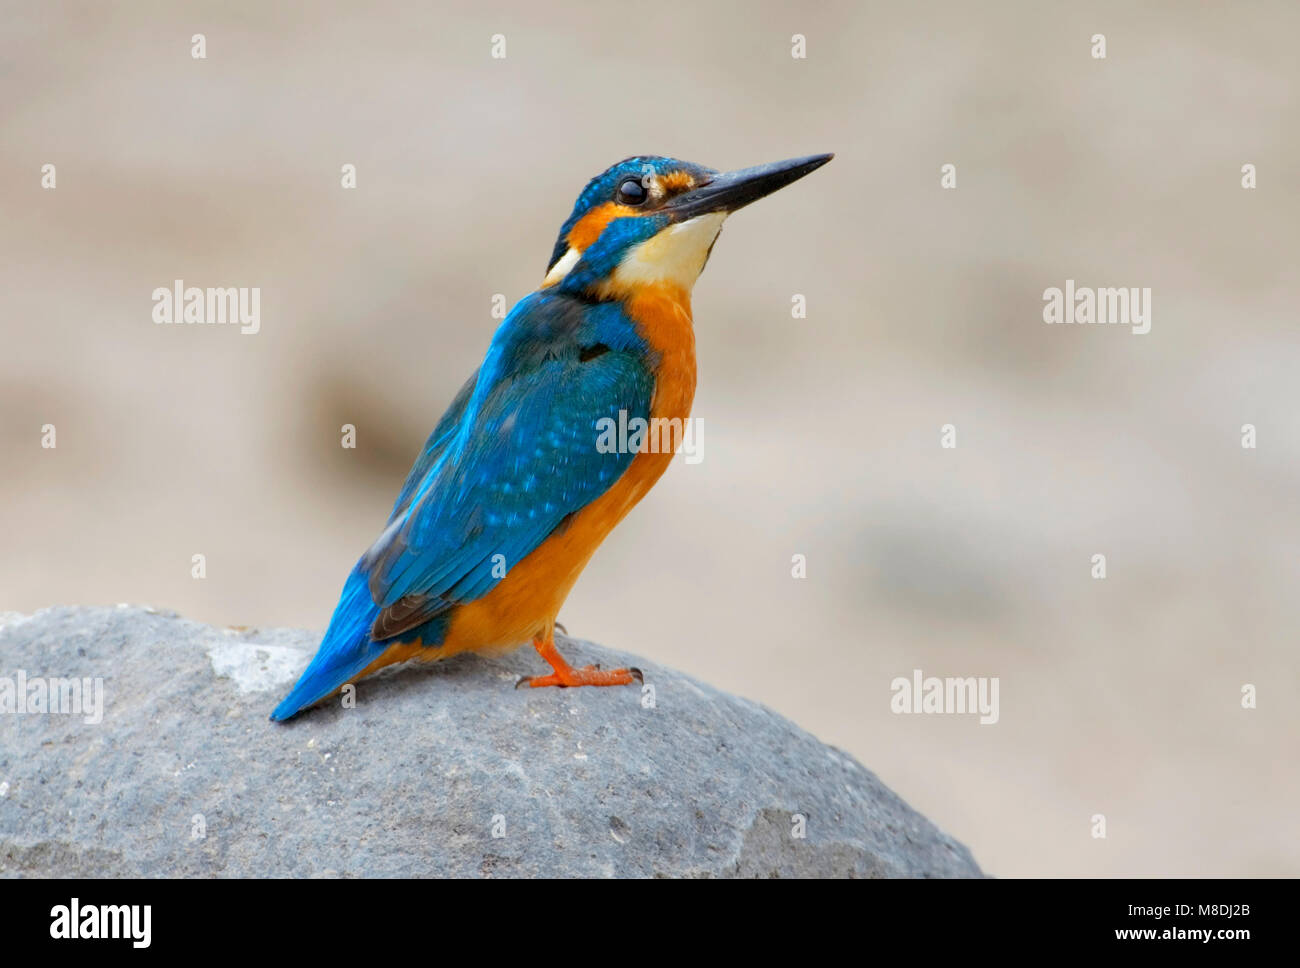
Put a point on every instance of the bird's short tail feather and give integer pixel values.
(344, 653)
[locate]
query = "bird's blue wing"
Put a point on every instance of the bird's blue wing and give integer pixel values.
(516, 454)
(434, 446)
(523, 457)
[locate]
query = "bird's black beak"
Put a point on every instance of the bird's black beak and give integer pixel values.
(732, 190)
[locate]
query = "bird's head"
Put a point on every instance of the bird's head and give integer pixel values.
(653, 221)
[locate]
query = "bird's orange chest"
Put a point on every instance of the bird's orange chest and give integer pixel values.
(662, 315)
(531, 594)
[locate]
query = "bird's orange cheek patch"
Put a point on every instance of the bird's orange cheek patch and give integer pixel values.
(589, 227)
(677, 181)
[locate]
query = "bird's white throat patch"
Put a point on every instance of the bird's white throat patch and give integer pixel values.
(675, 256)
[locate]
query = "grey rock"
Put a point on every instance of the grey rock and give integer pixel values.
(438, 770)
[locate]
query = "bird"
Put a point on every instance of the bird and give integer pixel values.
(511, 494)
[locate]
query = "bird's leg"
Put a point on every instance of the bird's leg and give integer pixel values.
(567, 675)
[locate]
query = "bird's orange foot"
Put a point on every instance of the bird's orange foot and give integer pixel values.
(586, 676)
(566, 675)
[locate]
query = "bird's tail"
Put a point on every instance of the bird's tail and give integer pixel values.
(344, 653)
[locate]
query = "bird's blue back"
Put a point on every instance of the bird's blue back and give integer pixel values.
(514, 455)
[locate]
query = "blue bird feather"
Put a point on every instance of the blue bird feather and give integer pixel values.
(512, 458)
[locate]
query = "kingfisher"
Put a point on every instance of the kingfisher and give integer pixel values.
(511, 495)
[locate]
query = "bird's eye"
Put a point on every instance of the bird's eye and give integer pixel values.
(631, 192)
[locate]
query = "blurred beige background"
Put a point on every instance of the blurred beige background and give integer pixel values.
(1118, 697)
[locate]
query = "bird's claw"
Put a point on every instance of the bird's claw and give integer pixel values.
(586, 676)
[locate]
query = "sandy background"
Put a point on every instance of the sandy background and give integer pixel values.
(822, 435)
